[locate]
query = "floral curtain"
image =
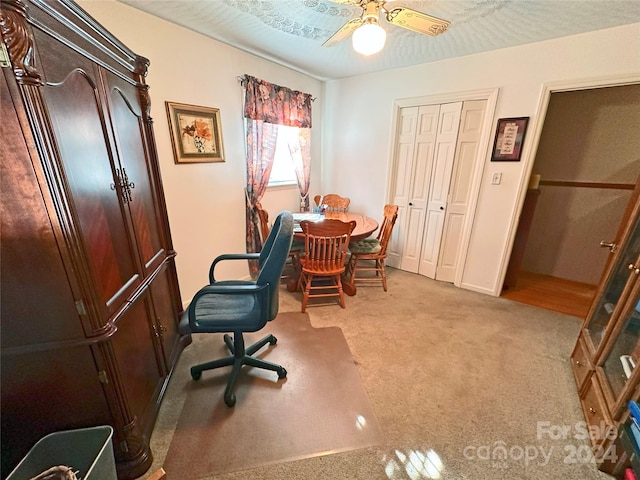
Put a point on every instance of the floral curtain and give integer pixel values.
(272, 103)
(266, 106)
(261, 148)
(301, 155)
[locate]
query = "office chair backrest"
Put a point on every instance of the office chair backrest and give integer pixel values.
(273, 256)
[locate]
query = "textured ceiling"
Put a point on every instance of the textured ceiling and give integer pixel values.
(291, 32)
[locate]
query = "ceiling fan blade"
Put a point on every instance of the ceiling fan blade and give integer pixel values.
(346, 30)
(417, 21)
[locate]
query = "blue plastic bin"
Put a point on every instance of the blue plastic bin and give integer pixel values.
(88, 451)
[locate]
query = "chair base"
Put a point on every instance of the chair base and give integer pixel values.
(307, 286)
(363, 264)
(240, 356)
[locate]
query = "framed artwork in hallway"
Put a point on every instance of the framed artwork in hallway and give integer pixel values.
(507, 145)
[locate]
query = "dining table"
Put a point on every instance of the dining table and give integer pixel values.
(365, 226)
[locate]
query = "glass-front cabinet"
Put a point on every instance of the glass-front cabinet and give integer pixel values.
(614, 296)
(617, 363)
(607, 351)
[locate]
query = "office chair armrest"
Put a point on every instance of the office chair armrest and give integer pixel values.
(230, 256)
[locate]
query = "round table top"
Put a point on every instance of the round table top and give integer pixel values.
(365, 226)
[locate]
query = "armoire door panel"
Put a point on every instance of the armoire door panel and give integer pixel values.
(25, 254)
(73, 104)
(134, 349)
(132, 153)
(165, 313)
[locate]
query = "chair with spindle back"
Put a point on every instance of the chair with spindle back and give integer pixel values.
(370, 254)
(323, 262)
(334, 202)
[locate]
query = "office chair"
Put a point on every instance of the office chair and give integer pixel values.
(238, 306)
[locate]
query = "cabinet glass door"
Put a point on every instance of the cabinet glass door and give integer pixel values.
(622, 355)
(614, 295)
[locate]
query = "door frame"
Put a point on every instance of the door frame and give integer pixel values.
(491, 96)
(536, 132)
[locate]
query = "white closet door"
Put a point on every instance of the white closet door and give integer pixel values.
(420, 180)
(458, 202)
(438, 188)
(405, 143)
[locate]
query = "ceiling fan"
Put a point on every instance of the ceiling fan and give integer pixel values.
(369, 37)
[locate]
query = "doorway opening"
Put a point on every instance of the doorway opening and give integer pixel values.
(586, 164)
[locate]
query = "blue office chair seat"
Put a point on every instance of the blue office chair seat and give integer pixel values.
(238, 306)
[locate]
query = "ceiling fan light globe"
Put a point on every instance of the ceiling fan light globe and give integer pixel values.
(369, 39)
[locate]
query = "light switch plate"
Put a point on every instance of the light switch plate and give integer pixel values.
(497, 178)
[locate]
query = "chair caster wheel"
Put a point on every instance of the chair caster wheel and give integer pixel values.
(282, 373)
(195, 374)
(230, 400)
(273, 340)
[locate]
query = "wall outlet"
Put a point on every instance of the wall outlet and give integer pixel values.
(497, 178)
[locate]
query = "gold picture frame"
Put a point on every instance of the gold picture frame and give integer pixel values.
(196, 133)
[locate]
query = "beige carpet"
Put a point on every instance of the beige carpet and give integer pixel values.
(452, 376)
(320, 408)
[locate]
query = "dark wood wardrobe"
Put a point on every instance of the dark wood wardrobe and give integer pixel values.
(89, 292)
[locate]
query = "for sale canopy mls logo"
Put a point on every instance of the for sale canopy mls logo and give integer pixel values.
(568, 441)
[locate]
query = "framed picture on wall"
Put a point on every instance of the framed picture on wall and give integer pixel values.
(196, 133)
(507, 146)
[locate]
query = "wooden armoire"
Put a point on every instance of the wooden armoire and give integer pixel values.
(89, 292)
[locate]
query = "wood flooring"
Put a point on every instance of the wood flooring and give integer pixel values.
(557, 294)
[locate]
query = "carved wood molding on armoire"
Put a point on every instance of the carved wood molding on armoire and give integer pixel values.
(90, 298)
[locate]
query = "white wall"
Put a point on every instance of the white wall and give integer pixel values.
(205, 201)
(359, 120)
(351, 137)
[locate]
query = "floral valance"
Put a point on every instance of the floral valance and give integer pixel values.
(272, 103)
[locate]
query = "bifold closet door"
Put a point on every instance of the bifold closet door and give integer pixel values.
(466, 151)
(442, 166)
(416, 143)
(435, 157)
(425, 148)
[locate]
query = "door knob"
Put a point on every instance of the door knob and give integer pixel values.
(610, 245)
(441, 208)
(411, 204)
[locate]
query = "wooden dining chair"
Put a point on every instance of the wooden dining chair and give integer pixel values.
(265, 229)
(324, 258)
(334, 202)
(369, 255)
(263, 215)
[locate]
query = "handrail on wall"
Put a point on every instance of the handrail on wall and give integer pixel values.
(562, 183)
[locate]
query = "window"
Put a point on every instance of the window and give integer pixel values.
(283, 170)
